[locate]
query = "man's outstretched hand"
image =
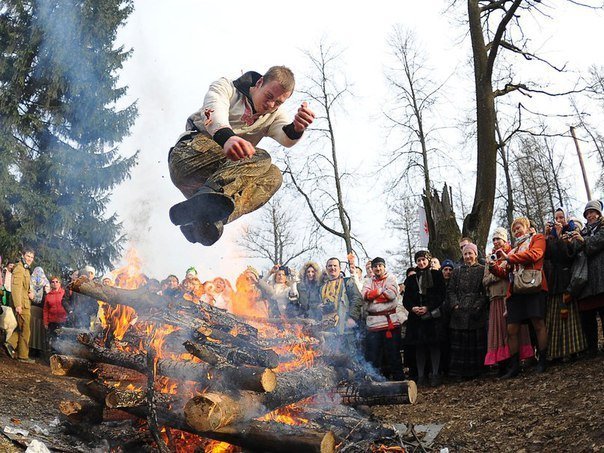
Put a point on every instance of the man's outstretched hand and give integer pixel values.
(304, 117)
(237, 148)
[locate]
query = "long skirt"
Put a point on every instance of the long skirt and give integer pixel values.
(497, 348)
(37, 340)
(468, 348)
(564, 331)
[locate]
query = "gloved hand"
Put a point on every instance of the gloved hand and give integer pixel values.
(372, 294)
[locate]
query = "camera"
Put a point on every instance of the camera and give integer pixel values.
(493, 257)
(286, 270)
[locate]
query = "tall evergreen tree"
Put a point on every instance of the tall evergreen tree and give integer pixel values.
(61, 118)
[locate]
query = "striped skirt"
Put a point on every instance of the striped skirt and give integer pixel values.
(565, 335)
(468, 348)
(497, 345)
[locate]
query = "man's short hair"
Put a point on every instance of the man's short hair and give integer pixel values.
(465, 238)
(282, 75)
(28, 250)
(332, 259)
(172, 275)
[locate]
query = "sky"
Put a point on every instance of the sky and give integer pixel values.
(180, 47)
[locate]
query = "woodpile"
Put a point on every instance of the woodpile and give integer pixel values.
(189, 366)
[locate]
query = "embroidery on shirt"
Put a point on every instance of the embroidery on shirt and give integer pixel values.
(208, 114)
(248, 117)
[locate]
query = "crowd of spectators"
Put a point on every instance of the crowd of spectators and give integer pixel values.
(535, 297)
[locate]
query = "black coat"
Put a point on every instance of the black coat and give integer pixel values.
(593, 246)
(467, 300)
(424, 331)
(557, 266)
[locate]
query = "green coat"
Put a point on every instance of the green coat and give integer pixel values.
(20, 287)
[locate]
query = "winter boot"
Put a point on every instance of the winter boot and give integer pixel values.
(206, 233)
(502, 368)
(513, 367)
(542, 363)
(207, 205)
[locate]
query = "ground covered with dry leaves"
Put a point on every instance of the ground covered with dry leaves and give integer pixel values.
(561, 410)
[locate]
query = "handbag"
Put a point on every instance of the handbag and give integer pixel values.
(527, 281)
(578, 274)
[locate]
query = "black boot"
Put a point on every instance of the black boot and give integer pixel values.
(513, 367)
(542, 364)
(208, 205)
(502, 368)
(206, 233)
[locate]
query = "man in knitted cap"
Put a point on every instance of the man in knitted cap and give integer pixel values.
(383, 324)
(216, 164)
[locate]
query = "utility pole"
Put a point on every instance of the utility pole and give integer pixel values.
(572, 132)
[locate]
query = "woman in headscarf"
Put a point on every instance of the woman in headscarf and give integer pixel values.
(424, 294)
(467, 307)
(591, 297)
(563, 322)
(39, 285)
(498, 351)
(528, 253)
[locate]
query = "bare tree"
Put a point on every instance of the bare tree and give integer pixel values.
(537, 180)
(415, 94)
(320, 179)
(495, 27)
(403, 215)
(277, 236)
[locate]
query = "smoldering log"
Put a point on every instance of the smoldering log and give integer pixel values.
(255, 435)
(143, 300)
(238, 348)
(212, 411)
(252, 378)
(370, 393)
(91, 412)
(63, 365)
(255, 379)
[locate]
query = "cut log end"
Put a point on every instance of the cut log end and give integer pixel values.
(412, 391)
(57, 367)
(328, 443)
(212, 411)
(268, 380)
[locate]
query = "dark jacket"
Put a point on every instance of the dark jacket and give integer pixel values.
(424, 330)
(557, 266)
(593, 246)
(467, 301)
(309, 298)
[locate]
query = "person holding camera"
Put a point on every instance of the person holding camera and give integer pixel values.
(467, 307)
(281, 294)
(562, 319)
(526, 292)
(498, 351)
(424, 296)
(590, 298)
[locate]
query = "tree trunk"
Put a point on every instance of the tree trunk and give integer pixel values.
(477, 222)
(444, 230)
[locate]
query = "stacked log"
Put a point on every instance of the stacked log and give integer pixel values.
(228, 367)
